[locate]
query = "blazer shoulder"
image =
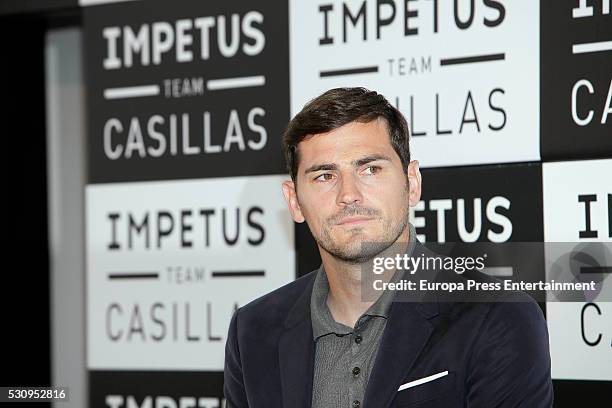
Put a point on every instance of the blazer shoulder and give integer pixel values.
(508, 300)
(511, 308)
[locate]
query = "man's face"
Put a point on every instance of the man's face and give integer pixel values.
(351, 190)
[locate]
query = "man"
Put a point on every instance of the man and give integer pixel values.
(317, 342)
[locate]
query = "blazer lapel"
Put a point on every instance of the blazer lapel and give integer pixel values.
(296, 353)
(405, 335)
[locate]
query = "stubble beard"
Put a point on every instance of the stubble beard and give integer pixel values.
(359, 251)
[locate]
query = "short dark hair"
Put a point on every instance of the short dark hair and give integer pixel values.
(336, 108)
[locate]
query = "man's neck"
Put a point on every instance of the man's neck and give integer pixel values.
(345, 292)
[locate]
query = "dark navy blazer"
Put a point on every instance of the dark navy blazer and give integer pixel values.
(495, 353)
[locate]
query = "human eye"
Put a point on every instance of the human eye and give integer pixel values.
(323, 177)
(372, 170)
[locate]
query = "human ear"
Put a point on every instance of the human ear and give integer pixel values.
(414, 178)
(292, 201)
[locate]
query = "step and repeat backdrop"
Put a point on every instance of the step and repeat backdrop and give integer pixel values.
(510, 109)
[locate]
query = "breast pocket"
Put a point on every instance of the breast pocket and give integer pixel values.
(437, 391)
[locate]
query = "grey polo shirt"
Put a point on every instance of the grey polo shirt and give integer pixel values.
(344, 355)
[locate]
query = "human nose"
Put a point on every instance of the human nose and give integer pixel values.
(349, 192)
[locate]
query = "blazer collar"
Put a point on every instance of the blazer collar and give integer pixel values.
(296, 352)
(406, 335)
(300, 310)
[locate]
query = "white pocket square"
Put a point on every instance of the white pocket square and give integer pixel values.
(422, 380)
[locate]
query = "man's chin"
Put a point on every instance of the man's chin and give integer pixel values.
(358, 251)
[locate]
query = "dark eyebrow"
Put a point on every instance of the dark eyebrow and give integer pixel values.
(370, 158)
(318, 167)
(355, 163)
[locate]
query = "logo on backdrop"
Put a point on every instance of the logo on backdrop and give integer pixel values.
(452, 68)
(168, 262)
(577, 99)
(180, 92)
(578, 209)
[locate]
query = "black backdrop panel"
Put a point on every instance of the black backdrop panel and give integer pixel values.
(575, 80)
(186, 89)
(200, 389)
(514, 191)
